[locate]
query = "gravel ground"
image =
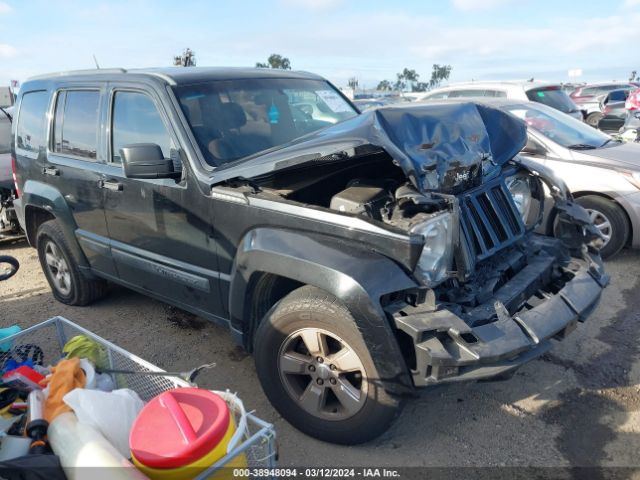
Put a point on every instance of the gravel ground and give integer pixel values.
(577, 406)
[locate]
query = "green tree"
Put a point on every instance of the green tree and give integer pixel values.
(439, 74)
(420, 87)
(276, 61)
(187, 59)
(406, 80)
(384, 86)
(411, 77)
(353, 83)
(634, 77)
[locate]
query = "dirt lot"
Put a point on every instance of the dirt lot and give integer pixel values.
(579, 405)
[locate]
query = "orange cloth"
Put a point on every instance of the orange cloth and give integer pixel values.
(65, 376)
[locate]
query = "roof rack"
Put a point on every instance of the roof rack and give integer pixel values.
(92, 71)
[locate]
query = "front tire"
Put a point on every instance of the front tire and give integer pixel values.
(610, 219)
(59, 265)
(317, 372)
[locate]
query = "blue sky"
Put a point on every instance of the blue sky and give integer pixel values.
(368, 39)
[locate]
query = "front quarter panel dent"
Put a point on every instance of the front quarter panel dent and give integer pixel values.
(358, 277)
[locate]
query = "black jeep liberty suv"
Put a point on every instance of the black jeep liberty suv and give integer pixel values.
(359, 256)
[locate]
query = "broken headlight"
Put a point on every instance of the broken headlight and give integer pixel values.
(519, 186)
(437, 254)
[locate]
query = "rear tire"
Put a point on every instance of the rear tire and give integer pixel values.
(7, 273)
(593, 119)
(329, 391)
(616, 227)
(60, 266)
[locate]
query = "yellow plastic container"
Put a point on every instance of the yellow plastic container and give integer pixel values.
(181, 433)
(194, 469)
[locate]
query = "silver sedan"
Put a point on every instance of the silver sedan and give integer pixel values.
(603, 174)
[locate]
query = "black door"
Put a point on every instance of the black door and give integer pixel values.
(75, 166)
(158, 227)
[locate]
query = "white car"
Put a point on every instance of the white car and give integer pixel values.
(545, 93)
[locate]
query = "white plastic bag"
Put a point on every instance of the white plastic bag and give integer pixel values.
(239, 413)
(112, 413)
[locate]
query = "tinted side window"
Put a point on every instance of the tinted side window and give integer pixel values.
(76, 124)
(495, 93)
(136, 120)
(553, 97)
(31, 129)
(617, 96)
(466, 93)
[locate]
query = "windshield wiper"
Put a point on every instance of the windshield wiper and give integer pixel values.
(606, 142)
(581, 146)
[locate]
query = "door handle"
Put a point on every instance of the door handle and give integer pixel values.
(110, 185)
(53, 171)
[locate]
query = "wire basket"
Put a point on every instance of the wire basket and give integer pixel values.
(258, 442)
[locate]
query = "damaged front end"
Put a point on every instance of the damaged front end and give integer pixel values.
(513, 290)
(461, 210)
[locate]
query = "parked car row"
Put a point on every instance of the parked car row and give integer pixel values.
(613, 108)
(589, 97)
(551, 95)
(610, 106)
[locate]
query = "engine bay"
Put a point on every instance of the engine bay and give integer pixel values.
(370, 185)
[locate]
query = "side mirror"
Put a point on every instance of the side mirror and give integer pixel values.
(534, 148)
(145, 160)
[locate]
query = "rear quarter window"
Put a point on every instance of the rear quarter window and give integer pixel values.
(32, 120)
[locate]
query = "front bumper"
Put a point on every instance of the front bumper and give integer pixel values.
(448, 350)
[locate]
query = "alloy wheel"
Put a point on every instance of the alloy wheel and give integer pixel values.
(602, 223)
(322, 374)
(58, 268)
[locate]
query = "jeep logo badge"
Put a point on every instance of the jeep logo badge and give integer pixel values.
(462, 177)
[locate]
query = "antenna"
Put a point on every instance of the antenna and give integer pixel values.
(96, 60)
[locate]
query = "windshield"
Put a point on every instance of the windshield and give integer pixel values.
(237, 118)
(554, 97)
(562, 129)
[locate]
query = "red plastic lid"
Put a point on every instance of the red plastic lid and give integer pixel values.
(178, 427)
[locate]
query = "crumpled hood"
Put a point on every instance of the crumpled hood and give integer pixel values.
(440, 147)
